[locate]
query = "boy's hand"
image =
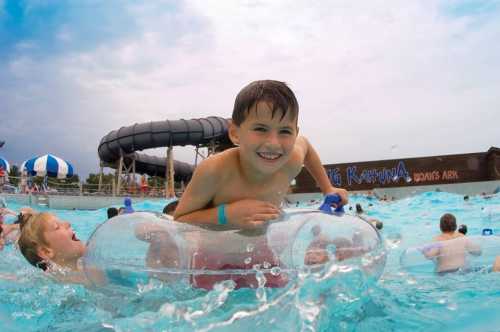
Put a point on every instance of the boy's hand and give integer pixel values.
(251, 213)
(341, 192)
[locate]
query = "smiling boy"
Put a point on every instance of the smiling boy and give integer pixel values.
(244, 186)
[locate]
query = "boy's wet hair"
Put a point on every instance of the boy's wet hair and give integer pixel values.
(112, 212)
(448, 223)
(31, 238)
(275, 92)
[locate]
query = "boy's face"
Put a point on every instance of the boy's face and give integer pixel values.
(265, 142)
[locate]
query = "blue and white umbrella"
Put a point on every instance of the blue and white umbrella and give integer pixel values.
(4, 164)
(48, 165)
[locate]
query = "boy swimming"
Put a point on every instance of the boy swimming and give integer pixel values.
(452, 247)
(244, 186)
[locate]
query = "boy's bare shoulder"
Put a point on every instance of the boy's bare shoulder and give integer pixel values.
(301, 147)
(298, 154)
(216, 163)
(301, 142)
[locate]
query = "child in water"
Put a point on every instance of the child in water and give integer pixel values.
(318, 253)
(51, 245)
(452, 246)
(245, 186)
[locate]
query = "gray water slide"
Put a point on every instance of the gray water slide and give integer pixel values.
(140, 136)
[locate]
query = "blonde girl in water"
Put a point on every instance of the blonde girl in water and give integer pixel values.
(51, 245)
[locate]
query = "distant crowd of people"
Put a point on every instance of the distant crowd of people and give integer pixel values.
(26, 184)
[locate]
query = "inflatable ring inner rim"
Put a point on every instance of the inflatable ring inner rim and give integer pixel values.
(252, 270)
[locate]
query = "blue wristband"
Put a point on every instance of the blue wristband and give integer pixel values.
(221, 214)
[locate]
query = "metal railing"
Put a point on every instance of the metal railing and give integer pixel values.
(16, 185)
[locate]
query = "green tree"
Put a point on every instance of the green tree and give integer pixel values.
(156, 181)
(74, 178)
(94, 178)
(14, 175)
(14, 171)
(72, 182)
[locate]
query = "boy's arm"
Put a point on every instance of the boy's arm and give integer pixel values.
(431, 250)
(198, 195)
(431, 253)
(313, 164)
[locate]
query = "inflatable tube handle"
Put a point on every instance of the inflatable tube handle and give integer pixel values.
(329, 200)
(487, 232)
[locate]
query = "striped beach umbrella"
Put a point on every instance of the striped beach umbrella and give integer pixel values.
(48, 165)
(4, 164)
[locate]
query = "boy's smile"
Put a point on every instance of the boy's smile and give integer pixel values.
(265, 141)
(271, 156)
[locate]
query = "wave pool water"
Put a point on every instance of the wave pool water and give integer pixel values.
(398, 301)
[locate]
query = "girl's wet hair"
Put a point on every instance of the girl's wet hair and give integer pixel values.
(275, 92)
(31, 237)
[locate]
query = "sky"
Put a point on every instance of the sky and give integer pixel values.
(374, 79)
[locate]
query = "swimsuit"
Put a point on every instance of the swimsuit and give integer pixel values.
(216, 261)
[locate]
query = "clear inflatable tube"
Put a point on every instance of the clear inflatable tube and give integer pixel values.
(463, 254)
(130, 250)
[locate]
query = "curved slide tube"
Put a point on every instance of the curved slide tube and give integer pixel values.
(127, 140)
